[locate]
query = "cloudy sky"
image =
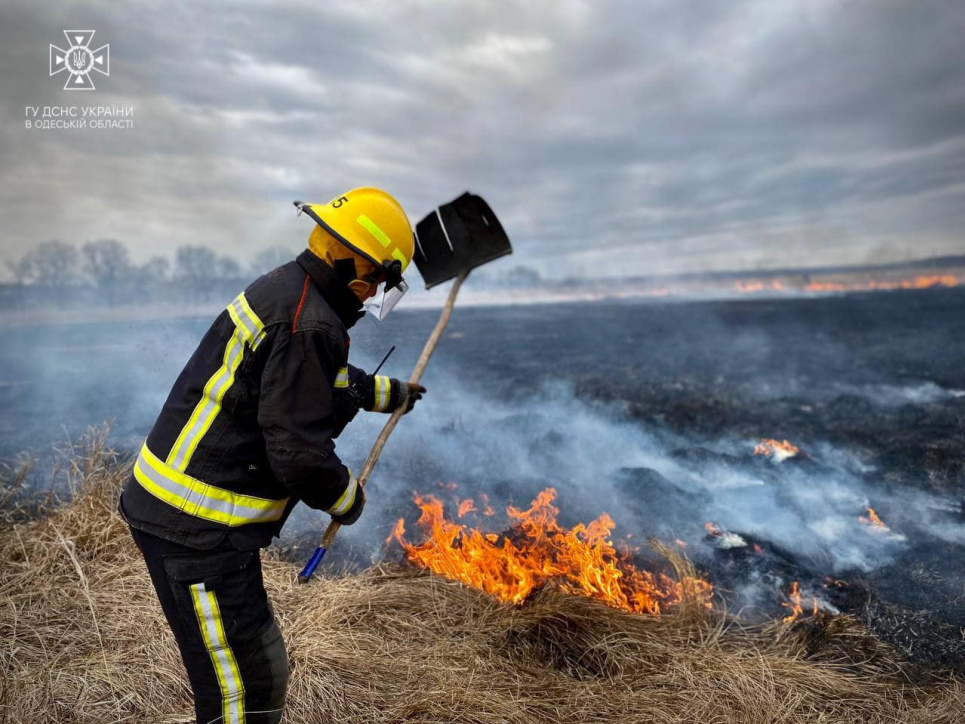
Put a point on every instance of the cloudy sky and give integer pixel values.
(611, 136)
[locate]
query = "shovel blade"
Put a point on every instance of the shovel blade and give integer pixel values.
(457, 237)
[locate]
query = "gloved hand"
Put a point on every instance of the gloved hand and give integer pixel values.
(390, 394)
(352, 514)
(408, 395)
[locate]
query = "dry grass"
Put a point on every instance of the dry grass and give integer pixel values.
(83, 641)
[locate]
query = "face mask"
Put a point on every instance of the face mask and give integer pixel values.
(382, 302)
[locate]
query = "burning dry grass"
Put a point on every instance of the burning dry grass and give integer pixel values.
(539, 553)
(83, 641)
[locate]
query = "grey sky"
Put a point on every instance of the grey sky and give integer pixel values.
(610, 136)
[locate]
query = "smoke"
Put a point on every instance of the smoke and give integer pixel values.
(509, 446)
(58, 379)
(651, 481)
(880, 395)
(924, 393)
(501, 419)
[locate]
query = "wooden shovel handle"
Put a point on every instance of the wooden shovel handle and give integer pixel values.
(420, 367)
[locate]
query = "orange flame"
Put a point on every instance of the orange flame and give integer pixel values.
(921, 281)
(778, 450)
(538, 551)
(466, 506)
(935, 280)
(759, 286)
(487, 508)
(873, 520)
(826, 287)
(795, 604)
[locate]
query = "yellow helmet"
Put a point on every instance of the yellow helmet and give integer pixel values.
(371, 224)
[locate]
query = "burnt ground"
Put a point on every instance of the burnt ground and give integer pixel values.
(871, 387)
(877, 375)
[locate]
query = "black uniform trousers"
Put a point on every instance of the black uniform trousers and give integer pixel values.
(232, 648)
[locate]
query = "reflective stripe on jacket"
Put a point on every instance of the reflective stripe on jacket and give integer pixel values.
(247, 430)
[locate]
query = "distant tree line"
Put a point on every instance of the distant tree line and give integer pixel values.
(102, 273)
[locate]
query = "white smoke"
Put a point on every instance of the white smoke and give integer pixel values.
(511, 448)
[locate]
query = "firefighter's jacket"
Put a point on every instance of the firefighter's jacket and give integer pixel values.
(248, 428)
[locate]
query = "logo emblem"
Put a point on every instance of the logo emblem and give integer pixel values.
(80, 59)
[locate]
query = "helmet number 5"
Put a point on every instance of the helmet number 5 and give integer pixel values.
(339, 201)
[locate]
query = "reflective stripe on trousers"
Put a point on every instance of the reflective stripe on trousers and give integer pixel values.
(222, 657)
(197, 498)
(235, 579)
(250, 331)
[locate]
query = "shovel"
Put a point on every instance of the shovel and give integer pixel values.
(450, 242)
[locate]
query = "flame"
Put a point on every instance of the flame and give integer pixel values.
(780, 451)
(487, 508)
(795, 604)
(873, 520)
(936, 280)
(826, 287)
(466, 506)
(921, 281)
(538, 551)
(759, 286)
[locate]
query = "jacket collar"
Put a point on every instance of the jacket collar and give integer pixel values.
(333, 290)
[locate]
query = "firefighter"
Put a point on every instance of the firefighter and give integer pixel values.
(248, 431)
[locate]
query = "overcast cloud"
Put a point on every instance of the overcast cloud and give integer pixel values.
(616, 136)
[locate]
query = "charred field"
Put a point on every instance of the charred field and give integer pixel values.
(870, 390)
(838, 546)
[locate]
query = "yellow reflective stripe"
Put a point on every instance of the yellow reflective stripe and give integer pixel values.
(248, 329)
(341, 379)
(374, 230)
(209, 492)
(396, 254)
(259, 327)
(383, 388)
(346, 499)
(158, 491)
(200, 499)
(222, 657)
(209, 405)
